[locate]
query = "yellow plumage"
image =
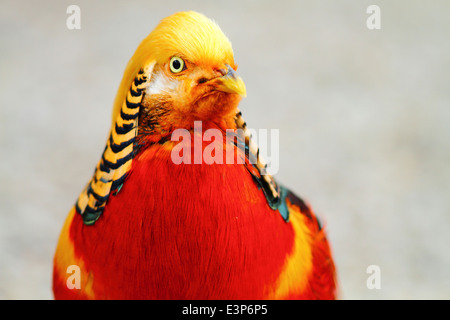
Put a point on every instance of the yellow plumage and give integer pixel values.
(190, 35)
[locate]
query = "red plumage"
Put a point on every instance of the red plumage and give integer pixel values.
(190, 232)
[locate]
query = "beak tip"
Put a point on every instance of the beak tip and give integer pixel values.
(232, 83)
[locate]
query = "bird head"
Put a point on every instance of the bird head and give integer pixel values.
(192, 74)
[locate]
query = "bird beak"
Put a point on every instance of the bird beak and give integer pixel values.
(231, 83)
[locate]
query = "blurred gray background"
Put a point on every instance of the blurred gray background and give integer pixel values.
(363, 114)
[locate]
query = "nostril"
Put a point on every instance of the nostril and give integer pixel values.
(222, 71)
(202, 80)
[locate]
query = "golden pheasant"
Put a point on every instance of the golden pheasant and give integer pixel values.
(158, 221)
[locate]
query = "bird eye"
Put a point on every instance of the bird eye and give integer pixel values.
(176, 65)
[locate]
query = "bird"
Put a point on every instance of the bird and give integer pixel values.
(157, 221)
